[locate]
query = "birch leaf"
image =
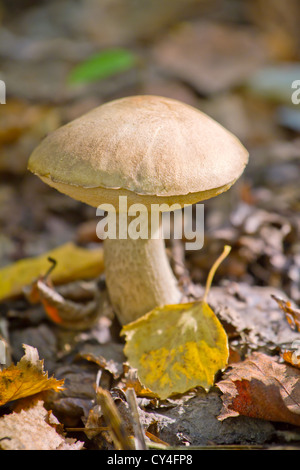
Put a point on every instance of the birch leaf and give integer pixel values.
(177, 347)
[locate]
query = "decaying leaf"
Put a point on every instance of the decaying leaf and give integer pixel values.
(260, 387)
(65, 312)
(76, 305)
(108, 356)
(72, 263)
(26, 378)
(131, 380)
(177, 347)
(251, 318)
(292, 355)
(292, 314)
(33, 428)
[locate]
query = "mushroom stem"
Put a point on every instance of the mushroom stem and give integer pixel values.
(138, 276)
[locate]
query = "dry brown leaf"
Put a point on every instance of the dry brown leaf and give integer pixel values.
(67, 313)
(33, 429)
(292, 314)
(250, 313)
(260, 387)
(108, 356)
(26, 378)
(131, 380)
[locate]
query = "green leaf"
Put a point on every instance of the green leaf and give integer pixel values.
(103, 65)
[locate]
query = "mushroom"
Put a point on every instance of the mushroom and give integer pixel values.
(153, 150)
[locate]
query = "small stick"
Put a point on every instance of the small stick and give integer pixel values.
(140, 443)
(113, 420)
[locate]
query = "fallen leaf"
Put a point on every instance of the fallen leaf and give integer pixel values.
(260, 387)
(33, 429)
(177, 347)
(292, 314)
(26, 378)
(76, 399)
(72, 263)
(108, 356)
(131, 380)
(67, 313)
(292, 355)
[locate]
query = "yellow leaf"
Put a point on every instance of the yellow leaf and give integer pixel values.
(72, 263)
(178, 347)
(26, 378)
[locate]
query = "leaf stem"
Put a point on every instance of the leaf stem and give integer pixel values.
(213, 269)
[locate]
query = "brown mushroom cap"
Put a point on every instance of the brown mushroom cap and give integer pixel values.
(158, 148)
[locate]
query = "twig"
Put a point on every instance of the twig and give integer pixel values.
(140, 443)
(113, 420)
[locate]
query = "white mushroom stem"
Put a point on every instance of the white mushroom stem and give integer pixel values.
(138, 276)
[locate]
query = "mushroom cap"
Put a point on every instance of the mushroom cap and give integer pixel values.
(157, 148)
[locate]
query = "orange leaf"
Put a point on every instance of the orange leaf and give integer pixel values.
(292, 314)
(26, 378)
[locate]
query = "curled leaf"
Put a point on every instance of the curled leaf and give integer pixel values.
(67, 313)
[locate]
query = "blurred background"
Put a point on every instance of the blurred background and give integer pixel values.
(236, 60)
